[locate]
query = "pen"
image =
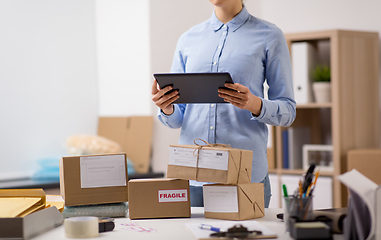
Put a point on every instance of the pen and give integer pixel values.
(313, 185)
(308, 178)
(300, 188)
(209, 227)
(284, 190)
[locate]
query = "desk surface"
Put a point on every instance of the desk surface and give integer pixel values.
(168, 229)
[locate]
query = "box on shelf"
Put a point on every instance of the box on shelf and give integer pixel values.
(94, 179)
(210, 164)
(134, 134)
(234, 202)
(158, 198)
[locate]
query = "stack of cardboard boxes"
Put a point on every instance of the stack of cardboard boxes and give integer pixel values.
(94, 180)
(232, 197)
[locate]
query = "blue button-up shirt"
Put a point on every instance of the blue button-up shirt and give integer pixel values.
(252, 51)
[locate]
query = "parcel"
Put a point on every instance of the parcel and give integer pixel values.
(211, 163)
(234, 202)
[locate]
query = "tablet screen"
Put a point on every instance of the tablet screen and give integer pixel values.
(195, 87)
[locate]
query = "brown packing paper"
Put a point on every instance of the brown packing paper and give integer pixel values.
(250, 203)
(239, 167)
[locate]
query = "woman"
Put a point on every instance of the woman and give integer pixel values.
(252, 51)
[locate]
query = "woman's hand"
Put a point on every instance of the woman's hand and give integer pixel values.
(162, 100)
(241, 98)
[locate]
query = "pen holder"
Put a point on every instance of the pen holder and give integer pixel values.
(297, 207)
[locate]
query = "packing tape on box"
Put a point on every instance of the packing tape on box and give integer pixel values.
(81, 227)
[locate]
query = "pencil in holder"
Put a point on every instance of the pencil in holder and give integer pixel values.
(297, 207)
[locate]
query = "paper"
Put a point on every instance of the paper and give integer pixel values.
(213, 159)
(186, 157)
(250, 225)
(15, 206)
(220, 199)
(103, 171)
(361, 189)
(56, 201)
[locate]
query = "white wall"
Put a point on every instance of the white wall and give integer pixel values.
(123, 66)
(53, 51)
(47, 79)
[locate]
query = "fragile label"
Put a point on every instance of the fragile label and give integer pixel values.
(173, 195)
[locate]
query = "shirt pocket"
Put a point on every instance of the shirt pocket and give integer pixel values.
(241, 66)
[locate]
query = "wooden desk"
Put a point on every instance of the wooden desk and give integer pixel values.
(168, 229)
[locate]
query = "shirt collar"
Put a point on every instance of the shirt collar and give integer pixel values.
(234, 24)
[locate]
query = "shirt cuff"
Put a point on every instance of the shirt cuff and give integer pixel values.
(262, 111)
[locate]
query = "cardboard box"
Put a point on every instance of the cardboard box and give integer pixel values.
(30, 225)
(159, 198)
(94, 179)
(367, 162)
(134, 134)
(234, 202)
(210, 164)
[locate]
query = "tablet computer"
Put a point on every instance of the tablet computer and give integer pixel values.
(195, 87)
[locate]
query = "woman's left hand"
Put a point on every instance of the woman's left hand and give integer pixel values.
(241, 98)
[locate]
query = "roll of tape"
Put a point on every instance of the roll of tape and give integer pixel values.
(81, 227)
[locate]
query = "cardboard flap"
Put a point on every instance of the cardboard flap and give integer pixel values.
(254, 194)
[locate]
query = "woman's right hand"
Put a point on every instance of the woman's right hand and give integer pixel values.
(162, 100)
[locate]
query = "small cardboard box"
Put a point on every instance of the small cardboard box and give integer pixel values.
(94, 179)
(134, 134)
(234, 202)
(210, 164)
(30, 225)
(159, 198)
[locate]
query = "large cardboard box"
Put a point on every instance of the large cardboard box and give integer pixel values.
(30, 225)
(159, 198)
(94, 179)
(210, 164)
(234, 202)
(134, 134)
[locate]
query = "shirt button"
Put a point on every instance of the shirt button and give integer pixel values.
(219, 46)
(224, 33)
(211, 127)
(214, 63)
(224, 25)
(212, 105)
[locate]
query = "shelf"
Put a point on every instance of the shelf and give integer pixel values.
(314, 105)
(349, 120)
